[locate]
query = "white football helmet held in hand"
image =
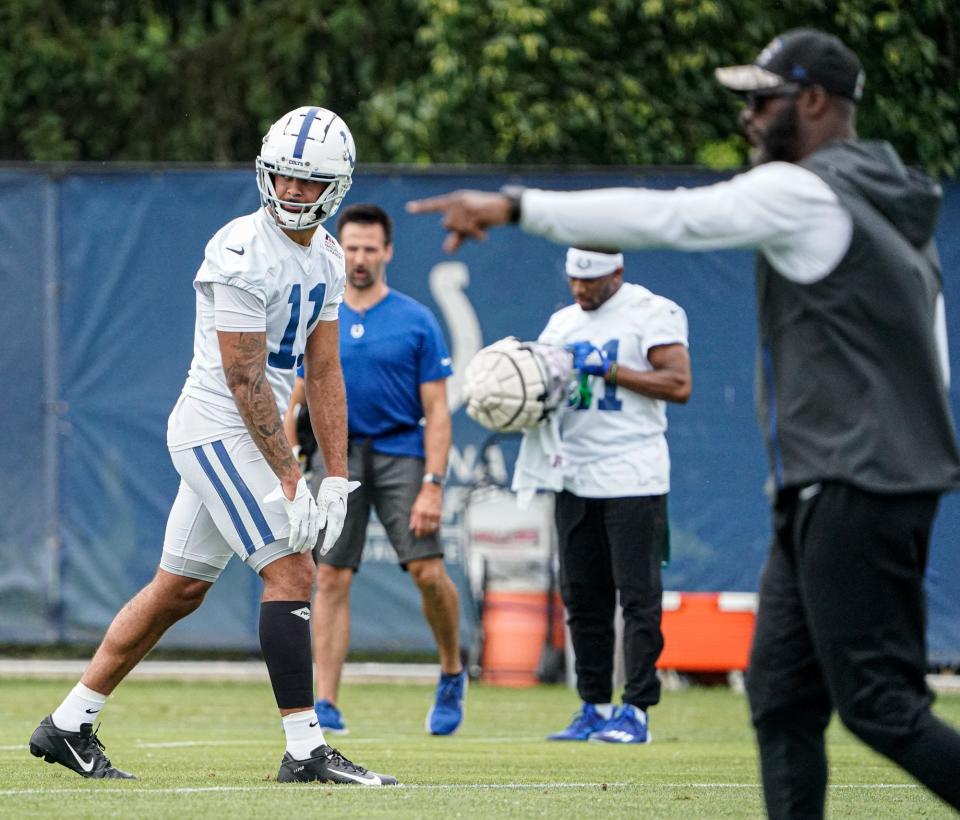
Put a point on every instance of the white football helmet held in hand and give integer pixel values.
(510, 386)
(308, 143)
(332, 501)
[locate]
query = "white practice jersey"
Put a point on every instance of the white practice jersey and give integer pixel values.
(616, 446)
(297, 288)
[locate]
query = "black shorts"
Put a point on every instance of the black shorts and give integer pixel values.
(389, 485)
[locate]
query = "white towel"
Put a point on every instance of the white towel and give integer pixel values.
(540, 461)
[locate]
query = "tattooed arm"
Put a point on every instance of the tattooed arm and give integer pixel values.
(326, 396)
(244, 357)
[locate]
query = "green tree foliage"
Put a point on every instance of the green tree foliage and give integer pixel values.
(630, 81)
(517, 81)
(187, 80)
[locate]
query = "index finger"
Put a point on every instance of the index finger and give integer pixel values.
(453, 241)
(430, 205)
(298, 536)
(328, 541)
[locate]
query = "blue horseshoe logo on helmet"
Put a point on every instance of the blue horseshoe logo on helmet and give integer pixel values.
(346, 149)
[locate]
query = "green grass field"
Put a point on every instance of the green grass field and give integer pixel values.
(212, 750)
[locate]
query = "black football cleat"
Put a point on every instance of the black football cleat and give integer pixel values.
(81, 752)
(327, 765)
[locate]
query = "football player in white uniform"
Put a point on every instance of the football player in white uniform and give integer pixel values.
(267, 296)
(612, 511)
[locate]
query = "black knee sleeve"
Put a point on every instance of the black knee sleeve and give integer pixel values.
(285, 643)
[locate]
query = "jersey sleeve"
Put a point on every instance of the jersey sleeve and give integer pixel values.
(235, 257)
(435, 362)
(666, 324)
(237, 310)
(332, 300)
(552, 334)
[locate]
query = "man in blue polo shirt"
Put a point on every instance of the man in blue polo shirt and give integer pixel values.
(395, 365)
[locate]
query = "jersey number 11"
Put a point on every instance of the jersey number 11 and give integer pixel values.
(284, 359)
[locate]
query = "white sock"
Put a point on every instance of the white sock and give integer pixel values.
(638, 713)
(81, 706)
(604, 709)
(303, 733)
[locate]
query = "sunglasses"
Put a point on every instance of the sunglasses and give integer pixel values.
(757, 99)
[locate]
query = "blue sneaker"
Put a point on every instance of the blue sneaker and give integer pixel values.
(330, 718)
(585, 722)
(446, 714)
(628, 725)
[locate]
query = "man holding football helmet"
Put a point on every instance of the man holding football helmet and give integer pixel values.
(267, 298)
(611, 510)
(590, 398)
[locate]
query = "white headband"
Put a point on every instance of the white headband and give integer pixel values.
(591, 264)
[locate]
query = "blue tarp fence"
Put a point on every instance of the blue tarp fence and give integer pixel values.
(96, 305)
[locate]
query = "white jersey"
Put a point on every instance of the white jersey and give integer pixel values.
(296, 286)
(616, 446)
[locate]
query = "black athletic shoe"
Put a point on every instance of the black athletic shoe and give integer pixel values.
(327, 765)
(81, 752)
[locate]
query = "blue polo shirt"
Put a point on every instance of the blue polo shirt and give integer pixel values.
(387, 352)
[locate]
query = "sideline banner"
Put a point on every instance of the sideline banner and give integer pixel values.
(118, 250)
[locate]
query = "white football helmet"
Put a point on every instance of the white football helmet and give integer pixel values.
(312, 144)
(511, 386)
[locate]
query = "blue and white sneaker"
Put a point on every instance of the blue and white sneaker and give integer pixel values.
(585, 722)
(446, 714)
(628, 725)
(330, 718)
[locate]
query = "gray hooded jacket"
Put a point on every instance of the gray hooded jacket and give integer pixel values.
(850, 385)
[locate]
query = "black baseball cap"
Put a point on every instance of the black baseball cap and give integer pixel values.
(799, 57)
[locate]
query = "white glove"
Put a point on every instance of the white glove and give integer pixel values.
(332, 501)
(305, 518)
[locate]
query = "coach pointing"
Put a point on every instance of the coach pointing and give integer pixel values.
(852, 399)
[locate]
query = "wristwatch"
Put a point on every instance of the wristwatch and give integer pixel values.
(514, 195)
(433, 478)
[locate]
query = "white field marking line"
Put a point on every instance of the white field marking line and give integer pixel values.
(347, 742)
(22, 747)
(502, 739)
(353, 741)
(309, 786)
(180, 744)
(432, 787)
(757, 785)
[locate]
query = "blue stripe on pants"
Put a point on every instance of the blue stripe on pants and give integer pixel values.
(251, 503)
(225, 498)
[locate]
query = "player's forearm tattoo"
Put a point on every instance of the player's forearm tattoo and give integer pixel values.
(246, 375)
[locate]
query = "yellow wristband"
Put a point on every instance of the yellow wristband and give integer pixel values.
(611, 377)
